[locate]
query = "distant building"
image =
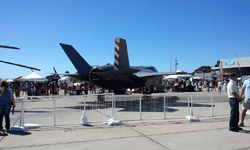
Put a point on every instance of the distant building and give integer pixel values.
(241, 66)
(208, 76)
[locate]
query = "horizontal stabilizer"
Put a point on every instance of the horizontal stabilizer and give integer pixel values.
(147, 75)
(80, 64)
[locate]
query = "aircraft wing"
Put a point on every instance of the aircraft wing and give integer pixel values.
(11, 47)
(153, 74)
(75, 76)
(20, 65)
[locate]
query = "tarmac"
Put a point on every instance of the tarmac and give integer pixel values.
(164, 134)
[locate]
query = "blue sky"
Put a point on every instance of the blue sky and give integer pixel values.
(196, 32)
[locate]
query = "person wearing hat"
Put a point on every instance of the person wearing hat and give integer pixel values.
(234, 99)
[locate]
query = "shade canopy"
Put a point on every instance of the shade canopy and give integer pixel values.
(172, 77)
(34, 77)
(10, 80)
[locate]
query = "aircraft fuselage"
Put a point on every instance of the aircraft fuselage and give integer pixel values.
(121, 80)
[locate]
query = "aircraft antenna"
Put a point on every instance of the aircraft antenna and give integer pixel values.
(170, 64)
(176, 64)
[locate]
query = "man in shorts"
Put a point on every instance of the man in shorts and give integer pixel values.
(246, 103)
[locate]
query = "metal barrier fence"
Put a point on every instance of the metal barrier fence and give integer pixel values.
(67, 110)
(16, 117)
(142, 107)
(215, 105)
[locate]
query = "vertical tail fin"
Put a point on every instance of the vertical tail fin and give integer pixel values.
(121, 54)
(80, 64)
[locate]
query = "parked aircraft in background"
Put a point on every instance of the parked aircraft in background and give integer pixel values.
(53, 77)
(10, 47)
(115, 77)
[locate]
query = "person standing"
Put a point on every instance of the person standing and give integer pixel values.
(65, 89)
(234, 99)
(205, 85)
(29, 91)
(246, 103)
(6, 97)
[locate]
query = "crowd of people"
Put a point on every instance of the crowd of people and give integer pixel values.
(33, 88)
(189, 85)
(53, 88)
(50, 88)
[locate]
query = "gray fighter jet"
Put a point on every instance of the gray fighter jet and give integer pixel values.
(118, 76)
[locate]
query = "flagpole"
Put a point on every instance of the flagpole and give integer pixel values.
(221, 71)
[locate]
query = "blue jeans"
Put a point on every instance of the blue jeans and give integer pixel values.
(234, 114)
(5, 111)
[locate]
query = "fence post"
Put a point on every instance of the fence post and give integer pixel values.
(22, 114)
(20, 128)
(188, 106)
(113, 113)
(84, 103)
(190, 117)
(192, 106)
(164, 107)
(140, 109)
(114, 106)
(54, 99)
(212, 105)
(84, 118)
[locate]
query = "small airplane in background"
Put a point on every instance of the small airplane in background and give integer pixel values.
(53, 77)
(115, 77)
(11, 47)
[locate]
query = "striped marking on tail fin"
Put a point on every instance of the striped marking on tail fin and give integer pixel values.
(117, 49)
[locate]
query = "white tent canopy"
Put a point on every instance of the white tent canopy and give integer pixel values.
(10, 80)
(177, 76)
(34, 77)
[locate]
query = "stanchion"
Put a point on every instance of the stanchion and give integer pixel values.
(140, 109)
(212, 105)
(191, 118)
(113, 121)
(20, 128)
(164, 107)
(54, 105)
(84, 118)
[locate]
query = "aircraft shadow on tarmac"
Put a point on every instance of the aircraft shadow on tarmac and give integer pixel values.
(21, 133)
(149, 104)
(35, 111)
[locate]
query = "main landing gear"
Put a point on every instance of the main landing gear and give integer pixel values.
(147, 90)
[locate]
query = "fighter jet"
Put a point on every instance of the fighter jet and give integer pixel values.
(11, 47)
(118, 76)
(53, 77)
